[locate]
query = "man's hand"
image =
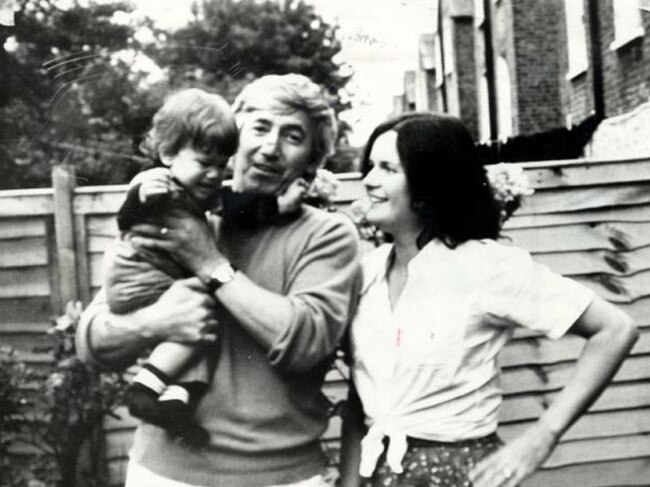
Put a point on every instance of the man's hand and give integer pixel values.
(515, 461)
(188, 240)
(183, 313)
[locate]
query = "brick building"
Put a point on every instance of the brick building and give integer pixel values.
(571, 73)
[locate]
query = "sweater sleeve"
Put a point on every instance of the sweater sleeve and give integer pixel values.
(132, 210)
(322, 289)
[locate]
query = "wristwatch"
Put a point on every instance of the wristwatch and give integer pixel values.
(222, 274)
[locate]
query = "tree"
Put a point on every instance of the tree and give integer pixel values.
(230, 42)
(69, 90)
(67, 96)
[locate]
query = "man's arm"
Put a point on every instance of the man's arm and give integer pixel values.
(302, 328)
(297, 330)
(184, 313)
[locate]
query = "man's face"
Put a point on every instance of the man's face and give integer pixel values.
(275, 148)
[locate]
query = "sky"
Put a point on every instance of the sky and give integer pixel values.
(379, 40)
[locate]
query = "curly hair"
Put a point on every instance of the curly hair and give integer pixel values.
(297, 92)
(447, 183)
(192, 117)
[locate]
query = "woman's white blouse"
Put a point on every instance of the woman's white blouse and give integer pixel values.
(427, 368)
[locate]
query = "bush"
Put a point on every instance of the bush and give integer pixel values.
(55, 424)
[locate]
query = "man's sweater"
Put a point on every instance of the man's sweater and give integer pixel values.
(264, 409)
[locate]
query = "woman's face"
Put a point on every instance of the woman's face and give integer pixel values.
(390, 202)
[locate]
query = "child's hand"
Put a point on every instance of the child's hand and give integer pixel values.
(291, 199)
(153, 182)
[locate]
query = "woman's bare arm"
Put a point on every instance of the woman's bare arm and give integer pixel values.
(610, 335)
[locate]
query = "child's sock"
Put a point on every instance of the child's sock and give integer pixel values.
(176, 412)
(143, 393)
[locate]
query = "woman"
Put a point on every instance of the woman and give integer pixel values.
(436, 307)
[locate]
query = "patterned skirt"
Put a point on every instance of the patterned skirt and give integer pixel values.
(435, 464)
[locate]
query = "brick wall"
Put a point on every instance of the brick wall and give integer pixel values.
(466, 72)
(535, 35)
(626, 70)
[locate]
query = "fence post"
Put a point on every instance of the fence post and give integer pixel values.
(63, 183)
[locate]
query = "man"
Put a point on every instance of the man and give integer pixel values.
(279, 295)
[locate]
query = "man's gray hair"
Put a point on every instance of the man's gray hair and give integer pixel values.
(296, 92)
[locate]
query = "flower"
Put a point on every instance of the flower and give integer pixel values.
(324, 186)
(510, 185)
(509, 182)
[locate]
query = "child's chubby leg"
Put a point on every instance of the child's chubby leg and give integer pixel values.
(154, 397)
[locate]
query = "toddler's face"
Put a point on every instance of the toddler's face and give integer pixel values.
(200, 173)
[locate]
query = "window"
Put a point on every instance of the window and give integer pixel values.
(483, 110)
(576, 37)
(448, 46)
(437, 53)
(627, 22)
(504, 99)
(479, 13)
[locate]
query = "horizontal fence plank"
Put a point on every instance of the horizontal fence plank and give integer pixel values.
(99, 243)
(578, 199)
(605, 236)
(27, 282)
(26, 202)
(618, 289)
(29, 342)
(596, 261)
(98, 199)
(639, 311)
(28, 309)
(11, 228)
(17, 328)
(616, 396)
(23, 252)
(539, 350)
(599, 450)
(587, 173)
(592, 425)
(102, 225)
(639, 213)
(552, 377)
(634, 472)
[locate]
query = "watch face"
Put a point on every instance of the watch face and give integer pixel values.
(223, 273)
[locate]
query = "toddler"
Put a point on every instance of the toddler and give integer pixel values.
(193, 135)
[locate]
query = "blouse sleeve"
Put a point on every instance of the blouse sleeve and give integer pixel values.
(524, 293)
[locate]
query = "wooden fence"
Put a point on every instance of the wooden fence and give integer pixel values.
(588, 219)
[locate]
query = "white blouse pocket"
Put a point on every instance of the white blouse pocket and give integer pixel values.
(430, 345)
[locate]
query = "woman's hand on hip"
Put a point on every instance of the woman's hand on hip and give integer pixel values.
(183, 313)
(516, 460)
(187, 239)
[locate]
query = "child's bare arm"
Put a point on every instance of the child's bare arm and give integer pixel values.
(152, 182)
(290, 200)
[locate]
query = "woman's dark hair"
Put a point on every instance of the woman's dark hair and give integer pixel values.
(446, 181)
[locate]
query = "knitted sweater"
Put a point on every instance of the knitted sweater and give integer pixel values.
(264, 409)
